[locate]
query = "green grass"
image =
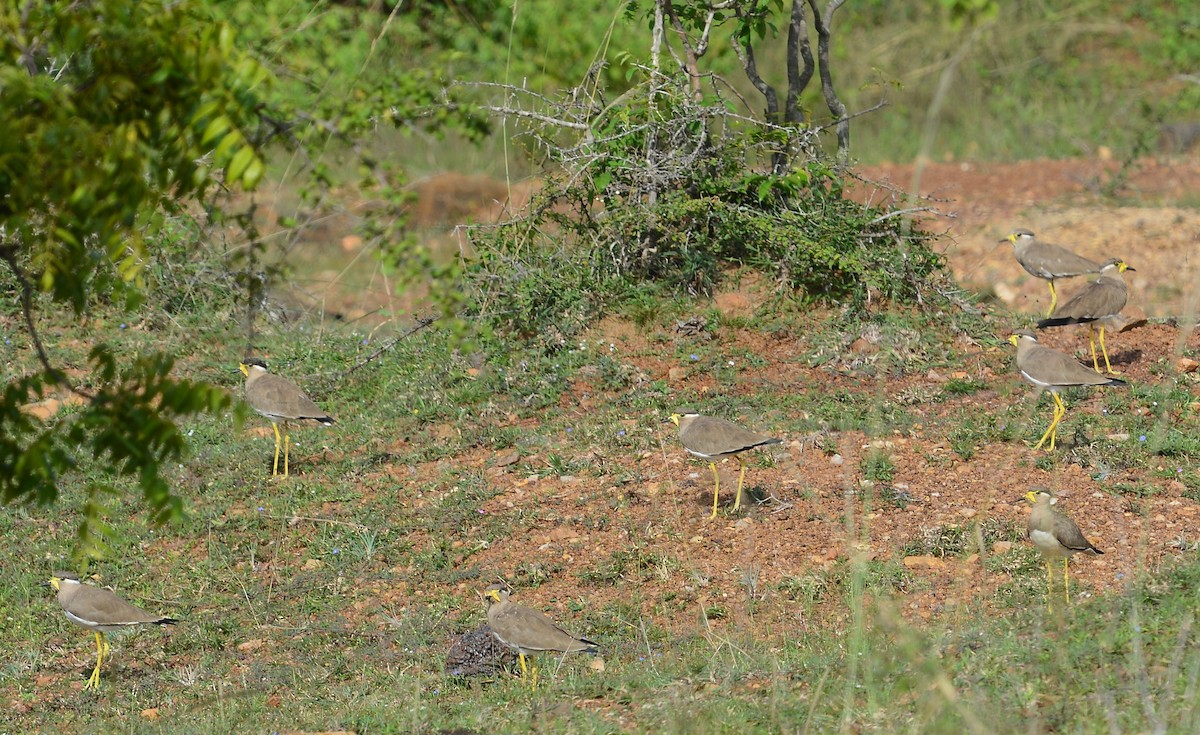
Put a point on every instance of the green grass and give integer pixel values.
(325, 602)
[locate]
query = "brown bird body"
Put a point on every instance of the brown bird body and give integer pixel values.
(710, 438)
(528, 631)
(1099, 302)
(100, 611)
(280, 401)
(1051, 370)
(1048, 261)
(1055, 535)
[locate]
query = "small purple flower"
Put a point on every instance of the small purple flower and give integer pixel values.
(621, 432)
(694, 356)
(1142, 438)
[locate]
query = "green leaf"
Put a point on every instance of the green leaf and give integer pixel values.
(240, 163)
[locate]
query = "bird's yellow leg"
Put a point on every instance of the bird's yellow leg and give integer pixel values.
(93, 681)
(1104, 350)
(1050, 430)
(287, 443)
(533, 670)
(1061, 410)
(1066, 582)
(1053, 297)
(716, 487)
(1049, 586)
(524, 668)
(1092, 344)
(278, 440)
(1045, 436)
(737, 501)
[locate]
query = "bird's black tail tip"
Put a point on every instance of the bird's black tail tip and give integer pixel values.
(1056, 322)
(167, 621)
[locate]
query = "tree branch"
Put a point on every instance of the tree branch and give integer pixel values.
(797, 46)
(745, 53)
(693, 54)
(823, 25)
(8, 254)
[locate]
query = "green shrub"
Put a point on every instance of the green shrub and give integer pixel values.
(687, 192)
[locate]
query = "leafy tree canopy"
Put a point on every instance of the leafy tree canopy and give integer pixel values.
(111, 112)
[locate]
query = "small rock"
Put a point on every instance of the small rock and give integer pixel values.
(743, 524)
(150, 714)
(837, 460)
(934, 376)
(1006, 293)
(678, 374)
(312, 564)
(251, 645)
(510, 458)
(967, 512)
(596, 664)
(1002, 547)
(1187, 365)
(864, 346)
(1118, 437)
(924, 562)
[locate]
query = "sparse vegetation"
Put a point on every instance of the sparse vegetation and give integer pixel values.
(526, 441)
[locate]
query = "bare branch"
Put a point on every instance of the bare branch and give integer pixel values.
(8, 253)
(536, 116)
(693, 53)
(745, 53)
(823, 25)
(798, 46)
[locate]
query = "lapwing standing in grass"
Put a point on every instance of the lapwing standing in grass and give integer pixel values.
(281, 401)
(1048, 261)
(711, 438)
(1098, 303)
(1056, 536)
(1051, 370)
(100, 611)
(528, 631)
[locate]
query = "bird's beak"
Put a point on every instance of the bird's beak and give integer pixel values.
(244, 368)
